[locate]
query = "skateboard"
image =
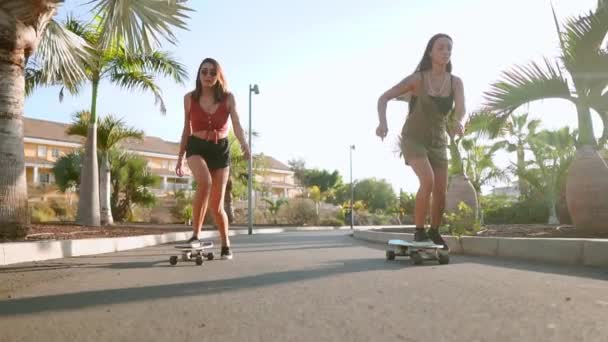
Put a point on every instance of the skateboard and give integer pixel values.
(195, 251)
(417, 251)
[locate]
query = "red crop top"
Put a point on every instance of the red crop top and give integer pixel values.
(217, 122)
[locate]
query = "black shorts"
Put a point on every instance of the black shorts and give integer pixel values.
(217, 156)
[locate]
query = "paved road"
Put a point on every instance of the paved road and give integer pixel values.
(314, 286)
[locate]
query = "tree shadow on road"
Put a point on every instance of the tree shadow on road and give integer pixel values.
(80, 300)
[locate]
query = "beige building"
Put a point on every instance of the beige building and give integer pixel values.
(46, 141)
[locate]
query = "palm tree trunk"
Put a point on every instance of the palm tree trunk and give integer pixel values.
(521, 167)
(88, 205)
(585, 126)
(19, 37)
(604, 138)
(14, 216)
(104, 190)
(552, 211)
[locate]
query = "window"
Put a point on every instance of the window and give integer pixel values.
(55, 153)
(42, 152)
(45, 178)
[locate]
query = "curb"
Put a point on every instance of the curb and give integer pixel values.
(587, 252)
(19, 252)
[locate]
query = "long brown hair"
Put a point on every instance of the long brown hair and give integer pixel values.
(220, 89)
(426, 63)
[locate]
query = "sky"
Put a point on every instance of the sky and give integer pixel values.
(321, 66)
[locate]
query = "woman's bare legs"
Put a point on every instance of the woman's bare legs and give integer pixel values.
(201, 198)
(439, 192)
(216, 203)
(426, 178)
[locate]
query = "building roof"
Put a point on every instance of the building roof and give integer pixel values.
(154, 145)
(272, 163)
(43, 129)
(50, 130)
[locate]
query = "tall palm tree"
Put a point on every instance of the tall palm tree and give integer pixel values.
(139, 25)
(111, 132)
(586, 62)
(127, 70)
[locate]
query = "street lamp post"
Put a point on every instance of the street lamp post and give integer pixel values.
(252, 89)
(352, 189)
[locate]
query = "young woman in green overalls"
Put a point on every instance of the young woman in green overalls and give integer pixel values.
(435, 92)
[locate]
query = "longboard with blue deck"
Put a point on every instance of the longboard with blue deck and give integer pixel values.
(417, 251)
(193, 251)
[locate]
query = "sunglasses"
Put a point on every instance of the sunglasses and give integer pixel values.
(206, 72)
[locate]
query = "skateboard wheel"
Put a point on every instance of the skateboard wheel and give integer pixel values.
(416, 258)
(390, 255)
(210, 256)
(444, 259)
(173, 260)
(199, 260)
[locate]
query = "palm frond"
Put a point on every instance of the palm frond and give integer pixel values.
(525, 84)
(482, 124)
(62, 57)
(139, 24)
(33, 79)
(80, 124)
(582, 37)
(112, 131)
(139, 80)
(155, 63)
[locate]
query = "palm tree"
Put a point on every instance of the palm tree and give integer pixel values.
(110, 134)
(274, 206)
(553, 153)
(479, 164)
(237, 182)
(585, 61)
(26, 28)
(514, 130)
(127, 70)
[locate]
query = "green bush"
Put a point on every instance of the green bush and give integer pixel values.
(460, 222)
(502, 210)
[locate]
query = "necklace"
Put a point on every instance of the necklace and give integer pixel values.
(432, 91)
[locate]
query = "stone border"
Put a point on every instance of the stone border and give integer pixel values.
(587, 252)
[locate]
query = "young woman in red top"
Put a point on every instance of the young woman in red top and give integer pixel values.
(205, 143)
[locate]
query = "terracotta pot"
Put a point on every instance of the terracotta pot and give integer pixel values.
(587, 190)
(460, 189)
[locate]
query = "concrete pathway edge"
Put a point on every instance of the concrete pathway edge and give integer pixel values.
(28, 251)
(588, 252)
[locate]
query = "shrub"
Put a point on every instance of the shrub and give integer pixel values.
(502, 210)
(331, 221)
(299, 211)
(42, 212)
(461, 222)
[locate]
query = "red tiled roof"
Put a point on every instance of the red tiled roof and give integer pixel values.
(42, 129)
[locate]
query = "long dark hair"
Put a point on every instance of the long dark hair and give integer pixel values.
(426, 63)
(220, 89)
